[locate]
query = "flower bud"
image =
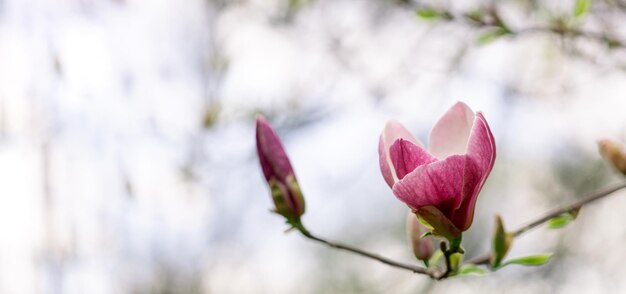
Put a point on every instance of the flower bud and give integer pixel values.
(422, 246)
(286, 193)
(614, 154)
(500, 244)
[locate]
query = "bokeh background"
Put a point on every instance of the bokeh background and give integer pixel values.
(127, 161)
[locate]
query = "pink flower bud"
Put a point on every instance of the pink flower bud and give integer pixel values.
(422, 247)
(440, 184)
(614, 154)
(288, 199)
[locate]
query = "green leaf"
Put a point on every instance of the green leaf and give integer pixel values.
(424, 222)
(612, 43)
(440, 224)
(530, 260)
(492, 35)
(581, 7)
(472, 270)
(563, 219)
(211, 115)
(455, 261)
(476, 16)
(435, 258)
(425, 234)
(428, 13)
(560, 221)
(501, 243)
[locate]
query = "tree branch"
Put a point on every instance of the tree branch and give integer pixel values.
(484, 259)
(599, 37)
(491, 19)
(409, 267)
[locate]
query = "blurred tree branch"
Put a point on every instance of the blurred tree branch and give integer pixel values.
(495, 25)
(484, 259)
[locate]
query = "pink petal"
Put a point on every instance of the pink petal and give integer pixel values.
(450, 134)
(439, 184)
(463, 214)
(272, 156)
(384, 164)
(393, 130)
(481, 150)
(481, 145)
(406, 156)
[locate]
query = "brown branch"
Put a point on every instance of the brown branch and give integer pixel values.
(484, 259)
(409, 267)
(481, 259)
(574, 206)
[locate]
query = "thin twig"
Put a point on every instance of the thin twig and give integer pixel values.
(409, 267)
(481, 259)
(484, 259)
(576, 205)
(571, 32)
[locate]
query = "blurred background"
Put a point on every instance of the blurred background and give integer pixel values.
(127, 160)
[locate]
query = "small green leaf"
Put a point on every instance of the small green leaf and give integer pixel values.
(428, 13)
(472, 270)
(560, 221)
(501, 243)
(424, 222)
(440, 224)
(612, 43)
(476, 16)
(563, 219)
(455, 261)
(492, 35)
(435, 258)
(425, 234)
(530, 260)
(211, 115)
(581, 7)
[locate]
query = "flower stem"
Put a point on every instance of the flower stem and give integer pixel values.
(416, 269)
(455, 247)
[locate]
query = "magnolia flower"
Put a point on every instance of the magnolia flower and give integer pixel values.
(288, 199)
(440, 184)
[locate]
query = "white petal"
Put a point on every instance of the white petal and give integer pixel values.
(451, 133)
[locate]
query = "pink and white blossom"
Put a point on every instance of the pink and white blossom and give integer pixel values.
(441, 183)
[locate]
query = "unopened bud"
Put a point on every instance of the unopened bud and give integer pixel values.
(500, 244)
(421, 245)
(614, 154)
(286, 193)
